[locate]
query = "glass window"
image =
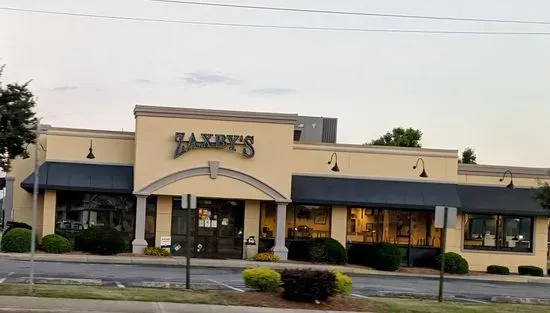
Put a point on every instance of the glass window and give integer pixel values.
(76, 211)
(302, 221)
(495, 232)
(393, 226)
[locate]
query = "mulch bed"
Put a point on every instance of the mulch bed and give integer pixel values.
(259, 299)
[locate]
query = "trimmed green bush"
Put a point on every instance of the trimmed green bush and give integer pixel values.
(262, 278)
(530, 270)
(266, 257)
(56, 244)
(154, 251)
(380, 256)
(343, 283)
(454, 263)
(304, 285)
(17, 240)
(100, 240)
(497, 269)
(327, 250)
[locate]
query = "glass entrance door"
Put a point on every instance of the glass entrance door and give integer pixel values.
(216, 229)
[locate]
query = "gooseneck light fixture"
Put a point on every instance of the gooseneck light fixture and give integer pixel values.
(334, 157)
(423, 174)
(91, 153)
(511, 184)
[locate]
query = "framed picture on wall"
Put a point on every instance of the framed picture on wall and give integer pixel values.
(320, 216)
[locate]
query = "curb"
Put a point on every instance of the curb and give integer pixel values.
(172, 262)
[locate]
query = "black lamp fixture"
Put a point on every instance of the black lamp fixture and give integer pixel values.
(335, 167)
(511, 184)
(90, 154)
(423, 174)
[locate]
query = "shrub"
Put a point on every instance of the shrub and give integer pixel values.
(17, 240)
(380, 256)
(56, 244)
(154, 251)
(100, 240)
(327, 250)
(497, 269)
(454, 263)
(530, 270)
(308, 285)
(262, 279)
(343, 283)
(299, 250)
(266, 257)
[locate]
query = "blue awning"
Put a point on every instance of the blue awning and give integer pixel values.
(500, 200)
(374, 193)
(83, 177)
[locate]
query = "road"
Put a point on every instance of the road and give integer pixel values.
(134, 275)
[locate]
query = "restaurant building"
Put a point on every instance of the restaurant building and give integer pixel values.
(279, 178)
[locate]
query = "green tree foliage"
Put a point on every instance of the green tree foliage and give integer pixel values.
(542, 194)
(468, 156)
(400, 137)
(16, 114)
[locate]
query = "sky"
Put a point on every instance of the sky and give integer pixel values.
(488, 92)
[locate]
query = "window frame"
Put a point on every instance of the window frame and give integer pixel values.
(500, 232)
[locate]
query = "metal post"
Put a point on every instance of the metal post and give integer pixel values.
(188, 244)
(443, 239)
(34, 205)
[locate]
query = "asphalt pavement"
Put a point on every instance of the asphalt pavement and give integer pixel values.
(122, 276)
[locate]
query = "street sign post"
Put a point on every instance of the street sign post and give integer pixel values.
(188, 203)
(445, 217)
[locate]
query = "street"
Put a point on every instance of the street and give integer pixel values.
(230, 279)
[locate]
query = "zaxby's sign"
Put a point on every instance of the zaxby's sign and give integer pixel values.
(216, 141)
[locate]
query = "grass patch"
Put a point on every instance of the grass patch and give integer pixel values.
(257, 299)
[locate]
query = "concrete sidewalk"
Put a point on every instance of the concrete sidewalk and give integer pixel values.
(242, 264)
(52, 305)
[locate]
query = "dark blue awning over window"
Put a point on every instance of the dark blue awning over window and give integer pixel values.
(371, 192)
(500, 200)
(83, 177)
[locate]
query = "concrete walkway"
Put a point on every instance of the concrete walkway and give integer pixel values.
(52, 305)
(242, 264)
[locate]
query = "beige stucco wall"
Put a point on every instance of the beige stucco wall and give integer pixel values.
(339, 224)
(155, 144)
(163, 225)
(251, 224)
(48, 213)
(221, 187)
(387, 162)
(494, 180)
(479, 260)
(73, 145)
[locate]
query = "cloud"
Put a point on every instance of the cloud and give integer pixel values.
(64, 88)
(143, 81)
(273, 91)
(207, 78)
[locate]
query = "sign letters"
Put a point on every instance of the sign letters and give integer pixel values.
(217, 141)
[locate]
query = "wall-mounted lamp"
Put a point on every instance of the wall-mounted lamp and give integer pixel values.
(335, 167)
(511, 184)
(90, 154)
(423, 174)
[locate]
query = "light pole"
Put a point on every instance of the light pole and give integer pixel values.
(34, 206)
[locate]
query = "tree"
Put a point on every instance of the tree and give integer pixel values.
(400, 137)
(542, 194)
(468, 156)
(16, 114)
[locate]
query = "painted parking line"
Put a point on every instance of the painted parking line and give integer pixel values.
(359, 296)
(119, 285)
(3, 279)
(225, 285)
